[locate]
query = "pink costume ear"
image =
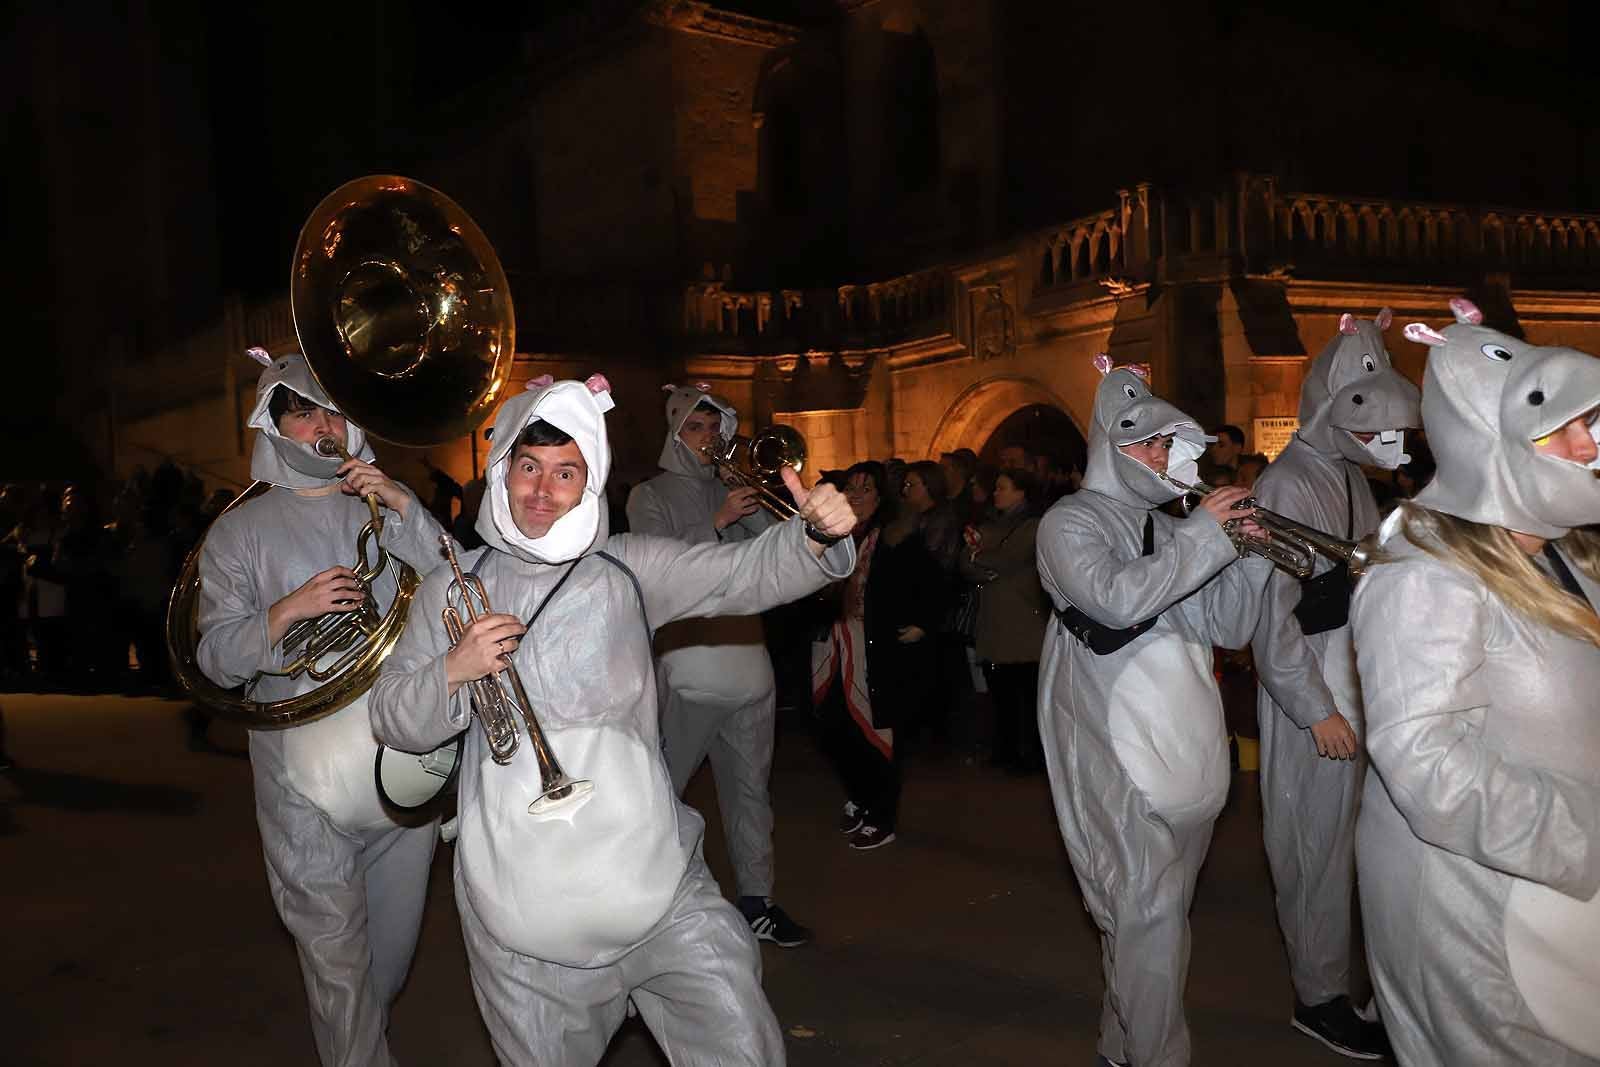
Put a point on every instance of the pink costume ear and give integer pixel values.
(669, 388)
(543, 381)
(1466, 311)
(259, 354)
(1140, 369)
(1102, 363)
(1384, 319)
(597, 384)
(704, 387)
(1347, 323)
(1424, 334)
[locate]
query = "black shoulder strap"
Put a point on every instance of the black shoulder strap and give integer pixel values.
(1149, 535)
(551, 595)
(1349, 506)
(644, 615)
(1563, 573)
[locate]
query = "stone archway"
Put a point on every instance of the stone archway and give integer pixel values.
(978, 412)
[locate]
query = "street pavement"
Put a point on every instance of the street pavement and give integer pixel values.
(139, 930)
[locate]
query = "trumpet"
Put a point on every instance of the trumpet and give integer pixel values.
(757, 462)
(499, 700)
(1289, 545)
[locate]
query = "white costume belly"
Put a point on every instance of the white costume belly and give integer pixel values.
(579, 885)
(330, 763)
(1166, 727)
(1553, 950)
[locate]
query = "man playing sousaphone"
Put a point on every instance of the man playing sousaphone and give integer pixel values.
(347, 881)
(571, 913)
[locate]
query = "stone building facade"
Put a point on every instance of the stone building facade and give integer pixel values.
(843, 222)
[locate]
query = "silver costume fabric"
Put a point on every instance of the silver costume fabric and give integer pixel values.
(718, 695)
(348, 882)
(570, 900)
(1309, 802)
(1478, 843)
(281, 460)
(1134, 741)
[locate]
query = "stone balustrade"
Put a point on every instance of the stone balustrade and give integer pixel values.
(896, 307)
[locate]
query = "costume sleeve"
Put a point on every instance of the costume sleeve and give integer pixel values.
(1286, 662)
(688, 581)
(1229, 606)
(1076, 557)
(410, 706)
(649, 514)
(1420, 632)
(751, 526)
(414, 538)
(233, 622)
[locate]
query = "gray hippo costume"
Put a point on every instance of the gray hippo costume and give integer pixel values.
(348, 882)
(718, 696)
(567, 916)
(1307, 668)
(1133, 738)
(1478, 842)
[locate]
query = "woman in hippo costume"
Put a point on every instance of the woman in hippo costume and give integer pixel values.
(718, 695)
(570, 914)
(1129, 712)
(348, 882)
(1478, 645)
(1354, 410)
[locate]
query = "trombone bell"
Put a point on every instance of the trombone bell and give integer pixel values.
(758, 462)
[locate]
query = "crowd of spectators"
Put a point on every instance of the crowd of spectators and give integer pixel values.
(85, 572)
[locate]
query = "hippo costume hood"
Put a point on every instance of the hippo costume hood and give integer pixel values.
(1486, 398)
(1352, 387)
(578, 409)
(1126, 412)
(681, 401)
(276, 458)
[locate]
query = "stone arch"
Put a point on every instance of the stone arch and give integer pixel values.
(974, 416)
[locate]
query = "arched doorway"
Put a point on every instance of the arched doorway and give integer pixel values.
(1043, 430)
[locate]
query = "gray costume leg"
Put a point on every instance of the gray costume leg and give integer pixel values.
(353, 905)
(1137, 873)
(696, 980)
(1309, 806)
(739, 742)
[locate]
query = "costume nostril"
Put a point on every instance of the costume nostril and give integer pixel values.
(1358, 399)
(1127, 424)
(1536, 397)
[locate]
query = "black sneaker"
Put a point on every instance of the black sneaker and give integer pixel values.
(773, 924)
(870, 837)
(1337, 1025)
(851, 818)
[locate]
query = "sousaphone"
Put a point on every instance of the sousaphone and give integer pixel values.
(404, 315)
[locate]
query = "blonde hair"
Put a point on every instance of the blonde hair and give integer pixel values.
(1491, 555)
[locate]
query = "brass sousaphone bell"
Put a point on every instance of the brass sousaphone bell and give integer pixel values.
(404, 315)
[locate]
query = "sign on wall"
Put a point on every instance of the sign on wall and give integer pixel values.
(1270, 435)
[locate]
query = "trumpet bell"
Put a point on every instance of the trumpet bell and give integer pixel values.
(777, 447)
(402, 310)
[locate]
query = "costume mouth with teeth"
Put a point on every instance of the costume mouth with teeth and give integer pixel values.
(1354, 402)
(1488, 400)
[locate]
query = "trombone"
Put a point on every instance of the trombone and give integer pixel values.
(1289, 545)
(499, 700)
(757, 462)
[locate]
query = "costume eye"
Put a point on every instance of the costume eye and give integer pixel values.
(1369, 364)
(1132, 393)
(1497, 353)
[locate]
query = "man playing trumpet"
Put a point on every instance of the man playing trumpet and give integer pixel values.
(718, 696)
(1129, 712)
(569, 915)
